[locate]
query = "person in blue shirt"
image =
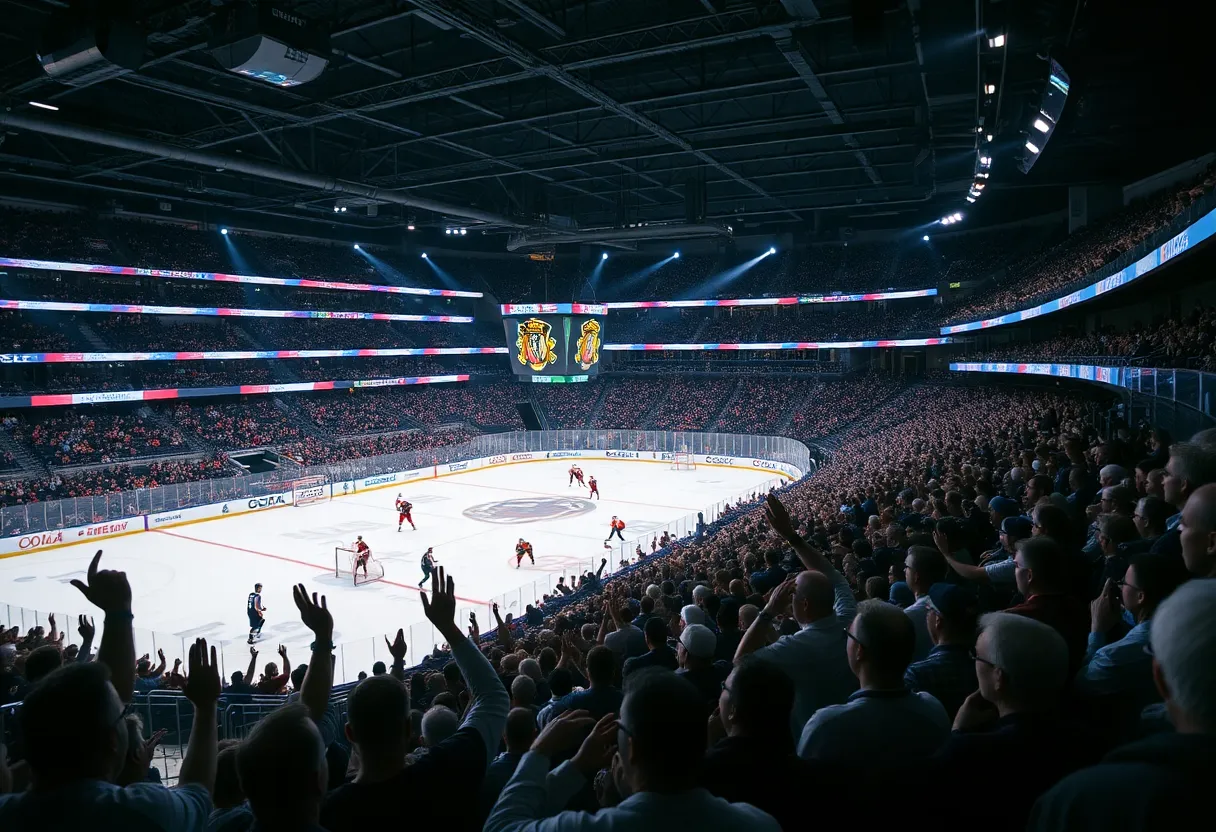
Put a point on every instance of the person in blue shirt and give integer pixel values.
(1124, 670)
(948, 672)
(771, 577)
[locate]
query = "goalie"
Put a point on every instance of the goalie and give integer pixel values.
(363, 554)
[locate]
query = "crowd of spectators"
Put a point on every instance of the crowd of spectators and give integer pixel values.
(313, 450)
(249, 422)
(691, 403)
(80, 436)
(1061, 268)
(114, 479)
(1185, 342)
(979, 584)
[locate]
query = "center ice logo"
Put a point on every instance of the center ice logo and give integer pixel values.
(528, 510)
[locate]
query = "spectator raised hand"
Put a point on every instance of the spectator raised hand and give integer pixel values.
(109, 590)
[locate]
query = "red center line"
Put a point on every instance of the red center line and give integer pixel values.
(300, 562)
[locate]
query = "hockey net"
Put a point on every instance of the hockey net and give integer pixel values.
(681, 461)
(308, 491)
(344, 566)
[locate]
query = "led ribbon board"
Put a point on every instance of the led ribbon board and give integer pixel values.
(107, 396)
(173, 274)
(95, 357)
(1192, 235)
(1084, 372)
(789, 301)
(224, 311)
(781, 345)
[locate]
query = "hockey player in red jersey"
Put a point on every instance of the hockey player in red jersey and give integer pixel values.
(404, 507)
(616, 526)
(578, 475)
(594, 486)
(523, 548)
(362, 553)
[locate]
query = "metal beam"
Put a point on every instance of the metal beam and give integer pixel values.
(797, 58)
(535, 18)
(250, 167)
(529, 60)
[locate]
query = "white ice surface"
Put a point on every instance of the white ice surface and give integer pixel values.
(192, 581)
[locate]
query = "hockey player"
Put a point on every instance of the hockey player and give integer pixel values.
(256, 612)
(363, 553)
(617, 526)
(594, 486)
(404, 507)
(574, 472)
(578, 475)
(428, 565)
(523, 548)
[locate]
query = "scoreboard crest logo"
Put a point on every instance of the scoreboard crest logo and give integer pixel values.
(589, 345)
(535, 345)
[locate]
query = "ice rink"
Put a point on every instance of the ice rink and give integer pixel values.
(192, 580)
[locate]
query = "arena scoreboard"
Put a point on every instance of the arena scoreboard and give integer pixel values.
(554, 342)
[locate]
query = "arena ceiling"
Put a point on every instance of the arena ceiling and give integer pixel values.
(551, 115)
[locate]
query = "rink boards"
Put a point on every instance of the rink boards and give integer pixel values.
(43, 541)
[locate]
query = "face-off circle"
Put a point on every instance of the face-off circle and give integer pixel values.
(528, 510)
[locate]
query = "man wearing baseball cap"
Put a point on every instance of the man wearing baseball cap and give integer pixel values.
(696, 656)
(948, 673)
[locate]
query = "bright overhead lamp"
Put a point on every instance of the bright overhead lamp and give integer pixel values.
(971, 199)
(1041, 125)
(979, 186)
(772, 250)
(1031, 147)
(925, 238)
(982, 174)
(343, 209)
(985, 161)
(409, 227)
(604, 256)
(224, 231)
(676, 255)
(447, 231)
(424, 255)
(357, 247)
(464, 231)
(988, 137)
(990, 88)
(42, 106)
(336, 209)
(997, 42)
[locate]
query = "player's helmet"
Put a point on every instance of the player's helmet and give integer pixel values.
(257, 586)
(359, 537)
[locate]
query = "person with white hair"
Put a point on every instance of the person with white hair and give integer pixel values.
(884, 723)
(654, 591)
(1111, 475)
(438, 723)
(1012, 726)
(1163, 781)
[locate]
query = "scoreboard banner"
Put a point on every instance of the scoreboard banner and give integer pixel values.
(108, 396)
(1084, 372)
(174, 274)
(235, 355)
(224, 311)
(786, 301)
(553, 309)
(782, 345)
(551, 347)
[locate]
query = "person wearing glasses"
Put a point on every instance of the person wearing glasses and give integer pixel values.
(1197, 533)
(883, 724)
(1123, 669)
(1012, 725)
(1150, 517)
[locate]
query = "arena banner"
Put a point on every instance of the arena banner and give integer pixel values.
(836, 297)
(1084, 372)
(553, 309)
(173, 274)
(1190, 236)
(105, 396)
(236, 355)
(38, 541)
(783, 345)
(224, 311)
